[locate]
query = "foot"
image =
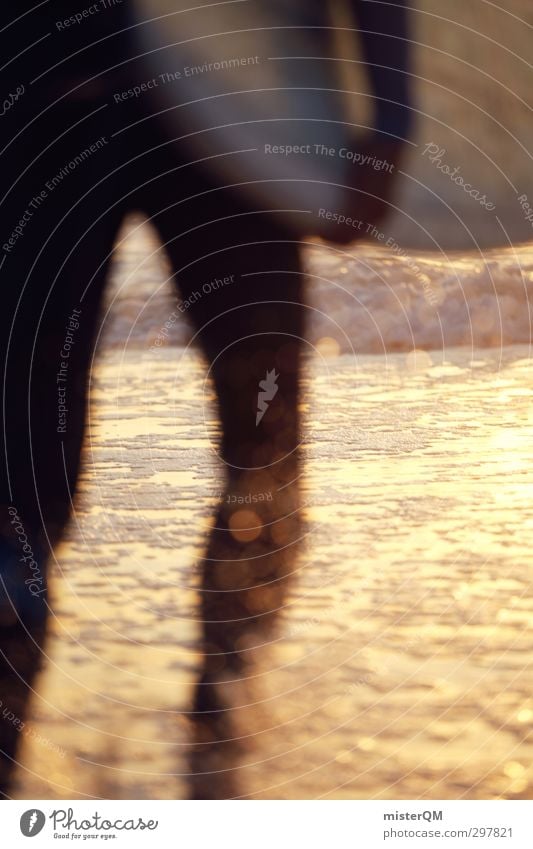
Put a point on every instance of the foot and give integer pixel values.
(23, 589)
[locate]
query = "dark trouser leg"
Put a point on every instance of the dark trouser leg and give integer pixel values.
(250, 330)
(48, 357)
(53, 268)
(50, 300)
(253, 353)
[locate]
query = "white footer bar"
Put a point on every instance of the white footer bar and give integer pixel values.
(268, 824)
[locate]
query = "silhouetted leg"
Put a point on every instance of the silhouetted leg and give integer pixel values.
(51, 292)
(250, 328)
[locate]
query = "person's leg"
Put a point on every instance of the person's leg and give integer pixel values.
(248, 314)
(252, 344)
(52, 281)
(49, 350)
(52, 276)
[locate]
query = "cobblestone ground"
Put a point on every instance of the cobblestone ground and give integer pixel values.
(400, 663)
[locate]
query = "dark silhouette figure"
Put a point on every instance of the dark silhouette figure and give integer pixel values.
(74, 162)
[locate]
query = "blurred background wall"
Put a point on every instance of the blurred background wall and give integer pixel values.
(473, 66)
